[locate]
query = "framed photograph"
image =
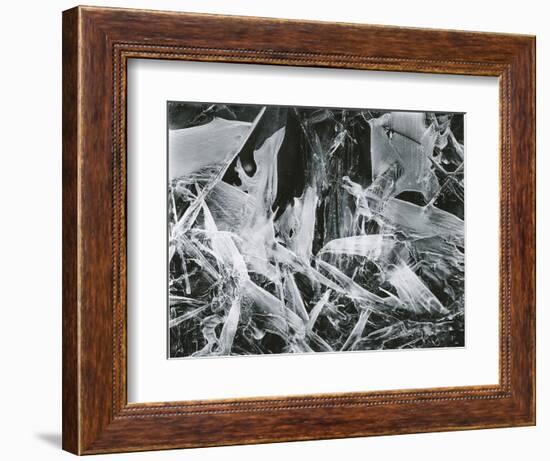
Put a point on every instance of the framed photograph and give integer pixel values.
(281, 230)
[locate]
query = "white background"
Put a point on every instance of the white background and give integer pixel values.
(30, 243)
(153, 378)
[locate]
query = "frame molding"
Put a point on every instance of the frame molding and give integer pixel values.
(97, 43)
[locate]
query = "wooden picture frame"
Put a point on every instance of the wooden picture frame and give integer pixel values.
(97, 43)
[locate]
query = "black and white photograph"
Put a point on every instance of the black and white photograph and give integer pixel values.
(312, 229)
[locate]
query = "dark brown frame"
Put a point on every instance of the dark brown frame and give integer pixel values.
(97, 43)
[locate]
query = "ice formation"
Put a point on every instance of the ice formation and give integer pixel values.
(295, 230)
